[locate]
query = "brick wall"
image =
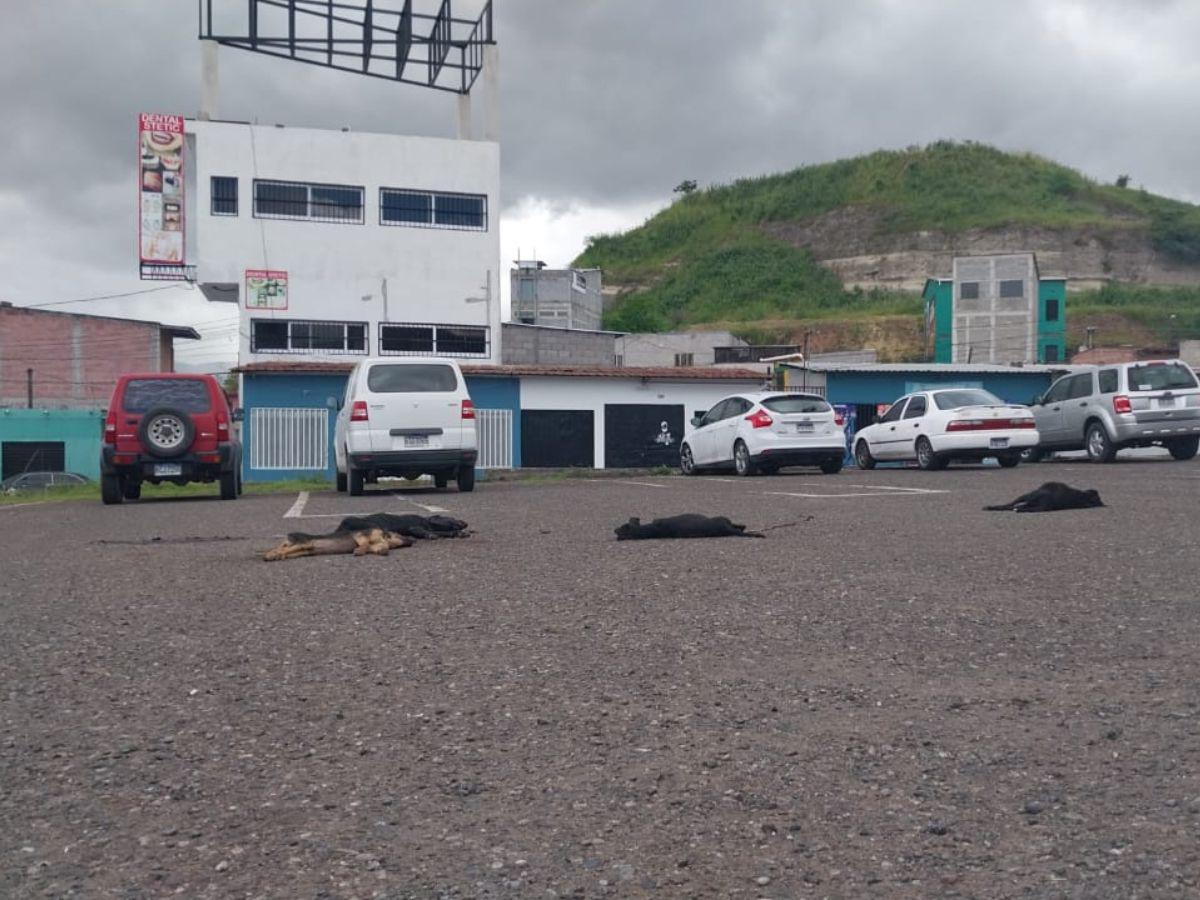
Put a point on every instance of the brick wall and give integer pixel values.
(75, 359)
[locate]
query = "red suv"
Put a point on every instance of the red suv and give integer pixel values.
(168, 427)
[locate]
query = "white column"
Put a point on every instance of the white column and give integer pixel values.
(464, 117)
(491, 92)
(208, 80)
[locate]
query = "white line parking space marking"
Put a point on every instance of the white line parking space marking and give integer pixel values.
(297, 510)
(19, 505)
(620, 481)
(894, 492)
(873, 487)
(427, 508)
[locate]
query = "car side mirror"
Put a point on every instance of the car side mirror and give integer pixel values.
(238, 414)
(697, 421)
(1036, 401)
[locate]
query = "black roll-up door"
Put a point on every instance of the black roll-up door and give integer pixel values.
(558, 438)
(642, 435)
(31, 456)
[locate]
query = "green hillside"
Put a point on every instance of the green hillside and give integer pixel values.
(707, 258)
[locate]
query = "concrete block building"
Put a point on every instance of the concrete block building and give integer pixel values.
(562, 298)
(996, 310)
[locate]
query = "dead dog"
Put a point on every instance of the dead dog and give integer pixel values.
(1050, 497)
(688, 525)
(368, 541)
(413, 526)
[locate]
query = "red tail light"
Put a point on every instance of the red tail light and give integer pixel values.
(760, 419)
(838, 419)
(110, 427)
(358, 411)
(468, 409)
(222, 427)
(1121, 404)
(989, 424)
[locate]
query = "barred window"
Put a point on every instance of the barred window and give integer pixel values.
(412, 339)
(314, 202)
(1012, 288)
(968, 290)
(224, 192)
(302, 335)
(431, 209)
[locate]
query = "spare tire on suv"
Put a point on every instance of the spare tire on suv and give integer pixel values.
(166, 432)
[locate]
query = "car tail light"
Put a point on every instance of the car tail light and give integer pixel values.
(468, 409)
(760, 419)
(110, 427)
(964, 425)
(1121, 404)
(209, 457)
(124, 459)
(838, 419)
(989, 424)
(358, 411)
(222, 427)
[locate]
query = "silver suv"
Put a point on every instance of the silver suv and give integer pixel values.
(1110, 408)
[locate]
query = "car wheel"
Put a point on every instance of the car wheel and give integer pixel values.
(466, 479)
(926, 458)
(110, 489)
(166, 432)
(1098, 444)
(229, 485)
(687, 463)
(832, 466)
(131, 489)
(440, 481)
(1032, 455)
(239, 481)
(339, 481)
(862, 456)
(742, 463)
(1008, 460)
(354, 480)
(1184, 448)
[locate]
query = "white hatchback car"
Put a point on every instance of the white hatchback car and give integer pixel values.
(405, 417)
(764, 431)
(935, 427)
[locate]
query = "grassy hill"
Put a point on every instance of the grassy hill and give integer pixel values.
(707, 258)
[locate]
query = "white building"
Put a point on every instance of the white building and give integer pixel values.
(336, 244)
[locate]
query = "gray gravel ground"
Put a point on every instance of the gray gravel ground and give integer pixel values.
(904, 696)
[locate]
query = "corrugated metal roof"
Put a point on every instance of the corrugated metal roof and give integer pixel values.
(935, 368)
(658, 373)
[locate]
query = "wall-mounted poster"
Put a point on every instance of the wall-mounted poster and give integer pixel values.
(266, 289)
(160, 189)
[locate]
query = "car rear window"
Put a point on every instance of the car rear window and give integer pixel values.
(1160, 377)
(785, 404)
(412, 379)
(958, 399)
(185, 394)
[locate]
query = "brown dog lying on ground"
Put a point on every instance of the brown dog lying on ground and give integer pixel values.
(360, 543)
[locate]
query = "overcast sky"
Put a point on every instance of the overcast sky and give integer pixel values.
(606, 106)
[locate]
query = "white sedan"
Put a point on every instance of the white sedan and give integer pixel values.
(935, 427)
(764, 431)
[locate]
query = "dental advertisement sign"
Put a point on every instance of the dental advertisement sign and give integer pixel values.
(160, 189)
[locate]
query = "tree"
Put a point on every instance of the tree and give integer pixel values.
(685, 187)
(1122, 181)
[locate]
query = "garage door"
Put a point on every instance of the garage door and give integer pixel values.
(558, 438)
(642, 435)
(31, 456)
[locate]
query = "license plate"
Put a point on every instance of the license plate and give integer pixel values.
(998, 443)
(167, 470)
(804, 427)
(1166, 403)
(416, 440)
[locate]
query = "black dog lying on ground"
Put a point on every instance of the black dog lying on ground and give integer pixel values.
(689, 525)
(1051, 496)
(420, 527)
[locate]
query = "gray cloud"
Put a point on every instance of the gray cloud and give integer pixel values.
(604, 104)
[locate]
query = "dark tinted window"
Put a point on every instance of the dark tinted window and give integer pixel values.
(1081, 386)
(894, 413)
(1012, 288)
(916, 408)
(969, 290)
(419, 378)
(406, 207)
(1108, 381)
(796, 404)
(1051, 353)
(224, 192)
(405, 339)
(1058, 391)
(459, 210)
(185, 394)
(1051, 310)
(462, 339)
(959, 399)
(266, 334)
(1160, 377)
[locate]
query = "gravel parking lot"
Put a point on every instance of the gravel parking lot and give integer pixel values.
(900, 696)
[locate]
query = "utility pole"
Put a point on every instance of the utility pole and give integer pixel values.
(804, 371)
(29, 386)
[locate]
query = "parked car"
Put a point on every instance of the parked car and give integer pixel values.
(936, 427)
(763, 432)
(29, 481)
(1110, 408)
(407, 418)
(168, 427)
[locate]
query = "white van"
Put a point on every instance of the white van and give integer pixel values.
(407, 418)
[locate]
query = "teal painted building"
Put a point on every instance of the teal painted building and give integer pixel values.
(51, 440)
(985, 314)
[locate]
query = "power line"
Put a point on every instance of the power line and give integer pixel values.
(168, 287)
